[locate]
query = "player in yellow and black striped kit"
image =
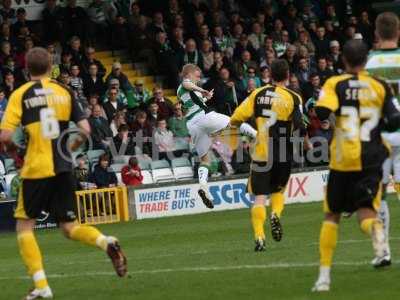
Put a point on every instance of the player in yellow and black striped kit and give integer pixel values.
(363, 106)
(45, 108)
(277, 112)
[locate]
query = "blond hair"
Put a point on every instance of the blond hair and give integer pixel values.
(189, 69)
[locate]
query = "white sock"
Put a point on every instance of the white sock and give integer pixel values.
(324, 274)
(246, 129)
(203, 175)
(384, 215)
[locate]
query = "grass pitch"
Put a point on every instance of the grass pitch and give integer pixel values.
(209, 256)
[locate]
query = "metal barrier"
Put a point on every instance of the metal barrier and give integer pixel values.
(102, 206)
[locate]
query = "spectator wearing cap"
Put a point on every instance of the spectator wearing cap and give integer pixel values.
(132, 174)
(177, 123)
(89, 59)
(321, 42)
(323, 71)
(111, 104)
(121, 97)
(100, 129)
(140, 94)
(116, 73)
(123, 143)
(334, 52)
(93, 82)
(52, 21)
(191, 55)
(165, 106)
(244, 64)
(7, 12)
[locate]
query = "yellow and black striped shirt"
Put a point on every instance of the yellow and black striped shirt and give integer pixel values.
(360, 103)
(277, 111)
(44, 108)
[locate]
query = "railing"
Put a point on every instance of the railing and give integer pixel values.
(102, 206)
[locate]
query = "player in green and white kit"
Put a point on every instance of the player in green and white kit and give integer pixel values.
(385, 63)
(202, 124)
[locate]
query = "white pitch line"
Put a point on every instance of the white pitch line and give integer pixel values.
(201, 269)
(357, 241)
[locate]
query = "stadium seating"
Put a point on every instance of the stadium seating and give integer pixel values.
(161, 171)
(121, 159)
(117, 167)
(9, 165)
(93, 156)
(182, 168)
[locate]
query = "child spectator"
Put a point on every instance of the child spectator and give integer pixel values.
(131, 174)
(102, 175)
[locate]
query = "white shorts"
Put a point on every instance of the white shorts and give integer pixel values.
(202, 125)
(392, 166)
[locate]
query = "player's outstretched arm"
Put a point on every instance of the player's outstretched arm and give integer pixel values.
(189, 85)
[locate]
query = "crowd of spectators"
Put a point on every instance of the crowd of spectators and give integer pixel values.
(233, 42)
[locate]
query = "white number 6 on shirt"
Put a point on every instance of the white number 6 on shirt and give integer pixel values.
(49, 123)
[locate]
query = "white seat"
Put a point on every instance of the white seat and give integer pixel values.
(163, 175)
(117, 167)
(147, 178)
(119, 177)
(182, 173)
(121, 159)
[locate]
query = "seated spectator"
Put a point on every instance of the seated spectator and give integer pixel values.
(142, 132)
(305, 41)
(5, 34)
(5, 51)
(163, 139)
(118, 120)
(141, 95)
(303, 70)
(121, 96)
(132, 174)
(220, 61)
(100, 130)
(321, 42)
(241, 158)
(244, 45)
(7, 12)
(66, 61)
(244, 64)
(102, 175)
(153, 114)
(52, 21)
(11, 67)
(208, 56)
(256, 37)
(323, 71)
(267, 59)
(120, 33)
(251, 74)
(251, 86)
(224, 153)
(117, 73)
(93, 101)
(158, 24)
(3, 103)
(165, 106)
(75, 19)
(122, 141)
(75, 47)
(294, 84)
(334, 52)
(76, 81)
(265, 76)
(313, 87)
(177, 123)
(111, 104)
(291, 57)
(82, 174)
(222, 42)
(20, 57)
(141, 41)
(224, 92)
(190, 56)
(93, 83)
(88, 59)
(101, 14)
(9, 84)
(21, 21)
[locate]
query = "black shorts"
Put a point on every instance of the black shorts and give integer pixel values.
(349, 191)
(271, 180)
(55, 195)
